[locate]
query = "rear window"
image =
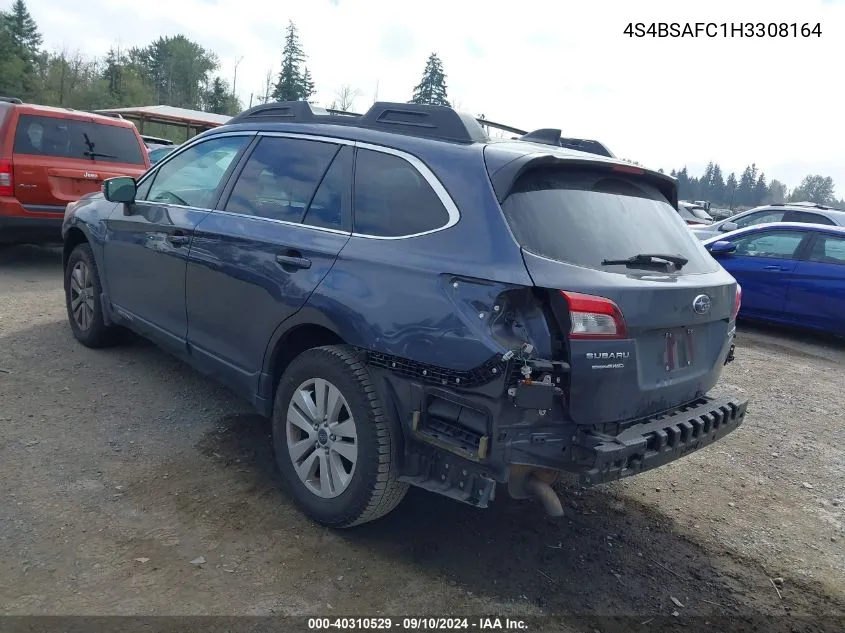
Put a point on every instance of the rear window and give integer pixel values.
(583, 217)
(70, 138)
(699, 212)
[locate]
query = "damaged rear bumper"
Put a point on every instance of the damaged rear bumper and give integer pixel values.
(657, 441)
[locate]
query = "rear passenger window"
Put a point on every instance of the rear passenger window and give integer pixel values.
(828, 249)
(330, 207)
(72, 138)
(804, 216)
(392, 198)
(280, 178)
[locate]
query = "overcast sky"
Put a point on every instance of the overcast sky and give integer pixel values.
(536, 63)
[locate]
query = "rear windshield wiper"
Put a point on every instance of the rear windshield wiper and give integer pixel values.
(93, 155)
(649, 260)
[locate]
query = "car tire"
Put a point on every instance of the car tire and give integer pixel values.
(82, 298)
(343, 493)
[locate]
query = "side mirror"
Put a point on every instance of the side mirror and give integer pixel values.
(722, 247)
(120, 189)
(728, 226)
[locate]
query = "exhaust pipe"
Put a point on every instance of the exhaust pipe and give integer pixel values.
(547, 496)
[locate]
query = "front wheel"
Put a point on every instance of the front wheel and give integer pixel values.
(82, 296)
(335, 446)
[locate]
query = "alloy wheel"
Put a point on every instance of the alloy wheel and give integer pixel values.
(321, 438)
(82, 295)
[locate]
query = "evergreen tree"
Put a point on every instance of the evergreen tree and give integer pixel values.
(219, 98)
(761, 190)
(717, 185)
(684, 187)
(12, 67)
(730, 190)
(291, 85)
(19, 44)
(307, 85)
(745, 189)
(23, 30)
(113, 70)
(706, 182)
(432, 88)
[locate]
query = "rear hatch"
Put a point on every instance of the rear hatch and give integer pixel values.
(58, 160)
(642, 337)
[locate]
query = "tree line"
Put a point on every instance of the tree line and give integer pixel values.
(172, 70)
(751, 188)
(176, 71)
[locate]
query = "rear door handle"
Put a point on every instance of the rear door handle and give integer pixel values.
(773, 268)
(293, 262)
(178, 239)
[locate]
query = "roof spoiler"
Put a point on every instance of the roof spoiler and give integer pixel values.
(506, 176)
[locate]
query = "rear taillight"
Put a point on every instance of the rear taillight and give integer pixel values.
(7, 186)
(594, 317)
(737, 302)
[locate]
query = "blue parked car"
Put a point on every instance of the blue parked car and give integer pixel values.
(791, 273)
(413, 303)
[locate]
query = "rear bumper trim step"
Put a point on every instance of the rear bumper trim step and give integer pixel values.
(658, 441)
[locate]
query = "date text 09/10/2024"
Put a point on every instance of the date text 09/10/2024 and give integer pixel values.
(723, 29)
(418, 624)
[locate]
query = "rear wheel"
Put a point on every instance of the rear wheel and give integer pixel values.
(334, 444)
(82, 296)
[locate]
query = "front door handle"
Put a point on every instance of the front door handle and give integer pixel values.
(773, 268)
(178, 239)
(293, 262)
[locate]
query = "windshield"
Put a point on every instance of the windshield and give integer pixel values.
(586, 216)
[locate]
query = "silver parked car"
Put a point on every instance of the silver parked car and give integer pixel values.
(797, 212)
(694, 214)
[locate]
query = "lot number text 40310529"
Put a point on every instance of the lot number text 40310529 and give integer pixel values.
(723, 29)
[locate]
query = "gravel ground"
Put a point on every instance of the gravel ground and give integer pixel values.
(133, 485)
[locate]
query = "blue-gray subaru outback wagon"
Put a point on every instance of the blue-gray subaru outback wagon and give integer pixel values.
(414, 303)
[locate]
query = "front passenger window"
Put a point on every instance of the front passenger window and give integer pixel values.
(192, 178)
(779, 244)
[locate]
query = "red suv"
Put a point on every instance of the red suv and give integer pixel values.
(52, 156)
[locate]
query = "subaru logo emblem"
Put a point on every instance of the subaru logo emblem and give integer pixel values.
(701, 304)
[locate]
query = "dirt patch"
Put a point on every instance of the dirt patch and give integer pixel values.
(133, 485)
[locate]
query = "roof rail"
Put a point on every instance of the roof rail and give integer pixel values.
(10, 100)
(549, 136)
(113, 115)
(807, 205)
(426, 121)
(501, 126)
